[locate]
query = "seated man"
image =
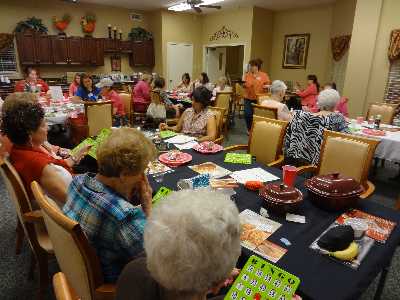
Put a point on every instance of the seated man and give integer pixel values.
(278, 90)
(111, 206)
(192, 243)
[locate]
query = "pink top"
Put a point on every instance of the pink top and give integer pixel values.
(73, 87)
(117, 102)
(309, 96)
(342, 106)
(141, 92)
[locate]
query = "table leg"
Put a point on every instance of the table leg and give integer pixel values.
(381, 283)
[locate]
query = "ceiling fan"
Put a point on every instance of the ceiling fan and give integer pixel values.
(197, 5)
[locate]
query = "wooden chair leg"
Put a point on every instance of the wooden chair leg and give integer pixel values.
(19, 237)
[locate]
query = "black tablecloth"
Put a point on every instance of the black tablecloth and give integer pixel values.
(321, 277)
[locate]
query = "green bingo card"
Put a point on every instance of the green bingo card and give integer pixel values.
(260, 280)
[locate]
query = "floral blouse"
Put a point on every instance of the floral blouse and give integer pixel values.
(305, 132)
(196, 123)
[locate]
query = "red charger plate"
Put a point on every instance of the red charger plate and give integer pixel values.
(183, 158)
(202, 148)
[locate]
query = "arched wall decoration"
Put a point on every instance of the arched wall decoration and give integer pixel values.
(224, 33)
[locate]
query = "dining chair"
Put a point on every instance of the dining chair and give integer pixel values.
(219, 113)
(348, 155)
(386, 110)
(225, 100)
(30, 223)
(78, 261)
(99, 116)
(239, 99)
(265, 141)
(262, 96)
(126, 100)
(264, 111)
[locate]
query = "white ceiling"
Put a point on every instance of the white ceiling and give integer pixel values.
(157, 4)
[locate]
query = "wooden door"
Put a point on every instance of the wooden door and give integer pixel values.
(44, 55)
(60, 50)
(26, 48)
(74, 45)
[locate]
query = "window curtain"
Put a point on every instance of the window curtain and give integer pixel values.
(340, 45)
(394, 46)
(6, 40)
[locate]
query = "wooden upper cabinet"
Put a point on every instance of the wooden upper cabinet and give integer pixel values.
(60, 50)
(89, 51)
(111, 45)
(44, 53)
(26, 48)
(74, 50)
(99, 52)
(143, 54)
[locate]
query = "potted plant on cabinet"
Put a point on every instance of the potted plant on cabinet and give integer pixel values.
(62, 24)
(140, 34)
(32, 25)
(88, 23)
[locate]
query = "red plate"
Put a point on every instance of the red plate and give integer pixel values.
(373, 132)
(182, 158)
(203, 148)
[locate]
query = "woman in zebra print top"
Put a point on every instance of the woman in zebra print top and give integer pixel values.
(305, 132)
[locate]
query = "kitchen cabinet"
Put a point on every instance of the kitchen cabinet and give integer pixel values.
(26, 48)
(142, 54)
(60, 50)
(43, 50)
(74, 47)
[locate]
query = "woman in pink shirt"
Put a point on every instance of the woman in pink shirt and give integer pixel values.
(309, 94)
(108, 93)
(73, 87)
(342, 104)
(141, 94)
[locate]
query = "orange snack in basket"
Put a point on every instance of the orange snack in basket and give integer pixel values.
(253, 185)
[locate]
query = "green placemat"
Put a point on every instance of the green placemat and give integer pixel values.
(167, 134)
(238, 158)
(86, 142)
(260, 279)
(161, 193)
(94, 142)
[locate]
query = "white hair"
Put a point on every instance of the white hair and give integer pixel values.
(327, 99)
(192, 240)
(278, 86)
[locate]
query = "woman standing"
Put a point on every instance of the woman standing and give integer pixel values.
(32, 83)
(141, 94)
(255, 80)
(309, 94)
(73, 87)
(87, 91)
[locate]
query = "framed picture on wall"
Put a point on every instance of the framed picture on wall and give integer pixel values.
(295, 51)
(115, 63)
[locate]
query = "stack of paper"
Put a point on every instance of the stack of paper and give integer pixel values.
(180, 139)
(254, 174)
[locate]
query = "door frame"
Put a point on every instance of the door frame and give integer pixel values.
(166, 58)
(224, 45)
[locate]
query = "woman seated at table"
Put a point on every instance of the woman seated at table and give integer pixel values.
(309, 94)
(109, 93)
(203, 80)
(304, 134)
(198, 120)
(191, 249)
(278, 90)
(112, 205)
(73, 87)
(32, 83)
(87, 91)
(185, 86)
(342, 104)
(222, 86)
(141, 94)
(171, 110)
(24, 124)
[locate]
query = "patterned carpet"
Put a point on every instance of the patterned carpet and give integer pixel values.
(14, 284)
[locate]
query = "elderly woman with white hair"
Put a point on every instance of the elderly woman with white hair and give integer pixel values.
(192, 243)
(304, 134)
(278, 91)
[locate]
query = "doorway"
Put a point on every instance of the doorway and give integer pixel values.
(224, 61)
(179, 61)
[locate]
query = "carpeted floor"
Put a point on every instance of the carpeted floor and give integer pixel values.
(14, 284)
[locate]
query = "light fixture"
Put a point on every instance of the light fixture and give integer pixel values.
(186, 6)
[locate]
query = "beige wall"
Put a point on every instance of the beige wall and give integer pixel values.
(361, 54)
(155, 26)
(13, 11)
(315, 20)
(343, 17)
(390, 19)
(261, 42)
